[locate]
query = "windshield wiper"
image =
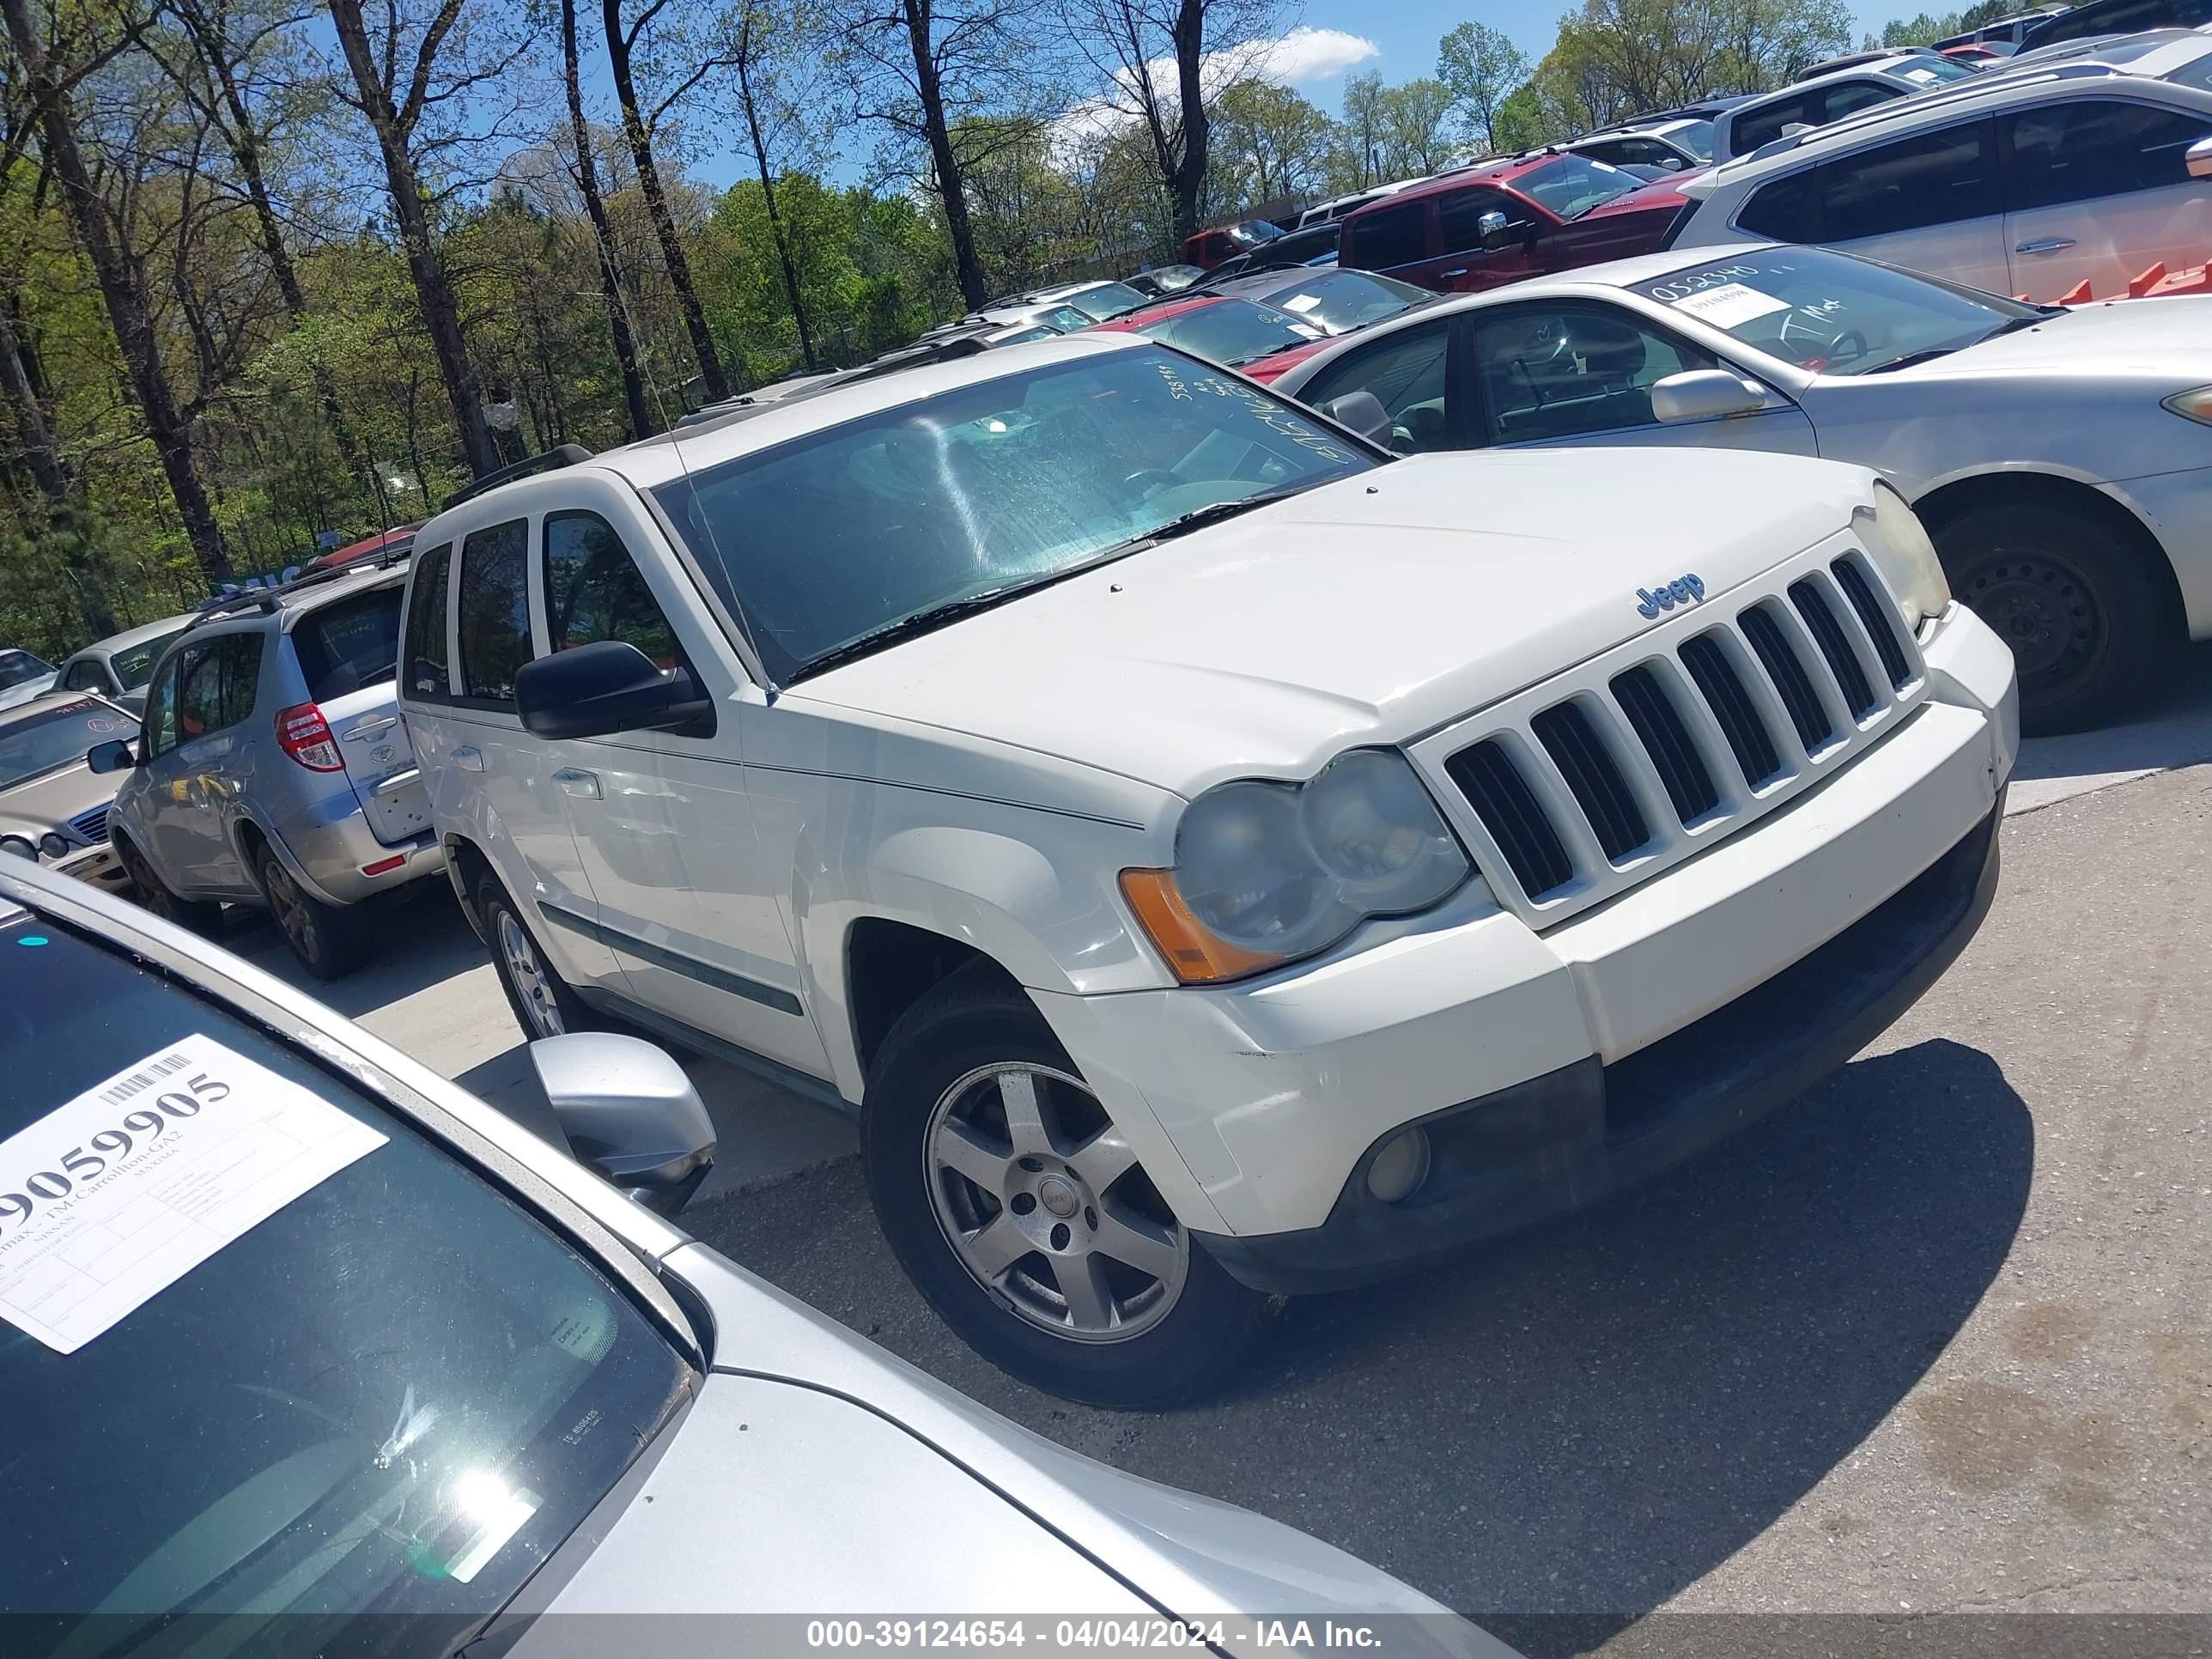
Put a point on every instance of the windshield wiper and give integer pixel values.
(1199, 517)
(922, 621)
(1909, 359)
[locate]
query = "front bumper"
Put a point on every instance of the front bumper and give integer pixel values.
(98, 865)
(1255, 1107)
(1564, 1140)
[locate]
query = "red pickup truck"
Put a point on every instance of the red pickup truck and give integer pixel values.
(1482, 226)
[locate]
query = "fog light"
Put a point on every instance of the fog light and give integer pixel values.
(19, 845)
(53, 845)
(1400, 1167)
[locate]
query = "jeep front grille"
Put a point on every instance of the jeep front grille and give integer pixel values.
(1700, 736)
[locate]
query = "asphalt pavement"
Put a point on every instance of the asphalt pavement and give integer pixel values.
(1934, 1340)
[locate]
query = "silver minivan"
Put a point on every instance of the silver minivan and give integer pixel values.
(274, 768)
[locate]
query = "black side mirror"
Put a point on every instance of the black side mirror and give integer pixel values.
(113, 756)
(597, 689)
(1362, 412)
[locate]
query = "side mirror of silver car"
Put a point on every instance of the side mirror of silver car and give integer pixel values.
(113, 756)
(2198, 158)
(1361, 412)
(630, 1113)
(1704, 394)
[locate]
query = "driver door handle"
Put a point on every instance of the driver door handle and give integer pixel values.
(1462, 271)
(2045, 245)
(469, 757)
(584, 786)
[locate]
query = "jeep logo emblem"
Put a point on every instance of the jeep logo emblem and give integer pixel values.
(1685, 591)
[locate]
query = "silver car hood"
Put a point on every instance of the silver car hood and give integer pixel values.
(817, 1474)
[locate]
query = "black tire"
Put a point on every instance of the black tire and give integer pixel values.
(196, 914)
(328, 940)
(1186, 1342)
(2087, 620)
(561, 1009)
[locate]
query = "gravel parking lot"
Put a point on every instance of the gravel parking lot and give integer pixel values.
(1934, 1338)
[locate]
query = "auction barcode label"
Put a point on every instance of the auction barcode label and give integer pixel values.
(138, 1082)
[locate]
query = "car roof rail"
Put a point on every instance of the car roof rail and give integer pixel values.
(559, 455)
(271, 597)
(1959, 92)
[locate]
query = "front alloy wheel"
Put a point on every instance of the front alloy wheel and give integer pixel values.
(1043, 1201)
(1020, 1210)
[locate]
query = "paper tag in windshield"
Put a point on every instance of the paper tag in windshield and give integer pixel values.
(1300, 302)
(1729, 305)
(110, 1198)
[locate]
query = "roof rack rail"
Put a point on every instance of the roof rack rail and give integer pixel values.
(269, 598)
(559, 455)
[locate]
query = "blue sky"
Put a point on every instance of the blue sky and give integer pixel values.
(1405, 33)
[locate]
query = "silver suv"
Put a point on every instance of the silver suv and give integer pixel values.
(273, 767)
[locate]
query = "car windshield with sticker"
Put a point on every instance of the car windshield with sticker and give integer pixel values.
(273, 1363)
(1832, 313)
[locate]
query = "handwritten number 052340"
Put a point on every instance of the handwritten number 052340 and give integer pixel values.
(109, 1147)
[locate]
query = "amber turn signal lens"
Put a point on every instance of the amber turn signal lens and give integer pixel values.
(1193, 951)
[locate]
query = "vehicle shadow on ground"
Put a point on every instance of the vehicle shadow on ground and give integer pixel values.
(422, 939)
(2172, 729)
(1556, 1434)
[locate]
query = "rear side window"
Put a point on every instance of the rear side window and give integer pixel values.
(1384, 237)
(1854, 96)
(1763, 126)
(594, 590)
(424, 650)
(495, 611)
(350, 643)
(1935, 178)
(84, 675)
(216, 684)
(2098, 147)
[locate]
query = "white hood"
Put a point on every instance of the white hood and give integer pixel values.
(1371, 610)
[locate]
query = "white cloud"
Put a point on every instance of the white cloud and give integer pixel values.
(1296, 58)
(1307, 54)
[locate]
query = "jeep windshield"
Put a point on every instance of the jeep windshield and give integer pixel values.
(357, 1426)
(853, 537)
(1834, 314)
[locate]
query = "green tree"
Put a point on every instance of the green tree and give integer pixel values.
(1520, 121)
(1269, 143)
(1481, 68)
(1416, 121)
(1615, 58)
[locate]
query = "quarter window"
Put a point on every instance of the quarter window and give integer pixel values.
(495, 611)
(158, 733)
(2098, 147)
(424, 649)
(594, 590)
(1763, 125)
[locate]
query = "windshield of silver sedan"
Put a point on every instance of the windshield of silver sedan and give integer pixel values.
(854, 537)
(1831, 313)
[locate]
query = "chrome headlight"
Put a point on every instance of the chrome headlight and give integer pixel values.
(20, 846)
(1267, 872)
(1898, 543)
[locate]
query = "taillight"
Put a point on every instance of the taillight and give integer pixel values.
(305, 735)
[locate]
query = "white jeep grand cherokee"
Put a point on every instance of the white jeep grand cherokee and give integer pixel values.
(1213, 862)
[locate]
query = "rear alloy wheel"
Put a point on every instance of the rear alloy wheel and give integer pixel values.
(1018, 1209)
(157, 899)
(2088, 627)
(544, 1003)
(328, 940)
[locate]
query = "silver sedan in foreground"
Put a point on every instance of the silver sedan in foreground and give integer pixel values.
(2061, 459)
(306, 1351)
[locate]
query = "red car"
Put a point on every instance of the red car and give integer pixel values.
(1486, 226)
(1208, 248)
(385, 541)
(1257, 341)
